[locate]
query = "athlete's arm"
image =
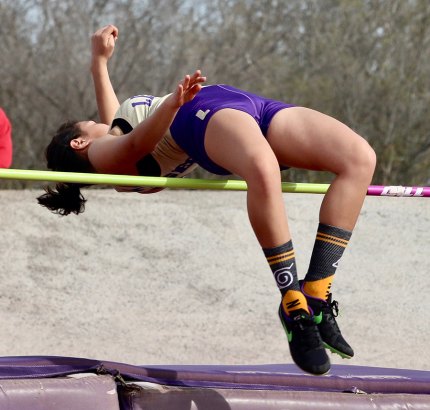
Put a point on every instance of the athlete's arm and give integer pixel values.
(119, 154)
(103, 44)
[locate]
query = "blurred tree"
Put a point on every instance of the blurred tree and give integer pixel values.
(365, 62)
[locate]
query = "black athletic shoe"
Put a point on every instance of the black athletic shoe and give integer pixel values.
(306, 346)
(325, 313)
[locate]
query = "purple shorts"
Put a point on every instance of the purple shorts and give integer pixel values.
(189, 127)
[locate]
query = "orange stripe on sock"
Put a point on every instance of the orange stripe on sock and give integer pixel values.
(332, 239)
(280, 258)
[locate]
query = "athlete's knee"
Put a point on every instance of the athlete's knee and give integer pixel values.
(360, 161)
(264, 176)
(365, 158)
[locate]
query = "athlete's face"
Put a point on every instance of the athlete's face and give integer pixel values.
(93, 130)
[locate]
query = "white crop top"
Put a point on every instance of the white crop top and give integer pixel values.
(171, 159)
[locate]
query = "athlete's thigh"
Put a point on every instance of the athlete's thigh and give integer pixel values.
(234, 141)
(305, 138)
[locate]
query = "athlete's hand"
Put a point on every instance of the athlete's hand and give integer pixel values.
(187, 89)
(103, 43)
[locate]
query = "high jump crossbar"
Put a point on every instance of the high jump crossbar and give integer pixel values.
(194, 183)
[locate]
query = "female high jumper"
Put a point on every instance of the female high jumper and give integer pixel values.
(226, 130)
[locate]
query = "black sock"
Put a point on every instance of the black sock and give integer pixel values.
(330, 243)
(282, 262)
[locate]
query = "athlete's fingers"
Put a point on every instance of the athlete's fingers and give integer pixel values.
(195, 89)
(187, 89)
(201, 80)
(197, 77)
(186, 82)
(192, 92)
(107, 35)
(111, 41)
(111, 30)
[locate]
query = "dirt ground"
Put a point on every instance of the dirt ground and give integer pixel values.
(179, 278)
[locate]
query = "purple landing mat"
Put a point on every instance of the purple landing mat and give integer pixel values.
(86, 393)
(272, 377)
(195, 398)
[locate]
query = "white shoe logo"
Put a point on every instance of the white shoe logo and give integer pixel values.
(336, 264)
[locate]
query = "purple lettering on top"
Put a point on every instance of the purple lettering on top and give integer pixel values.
(142, 100)
(180, 168)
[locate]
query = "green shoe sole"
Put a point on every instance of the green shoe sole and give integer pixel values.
(333, 350)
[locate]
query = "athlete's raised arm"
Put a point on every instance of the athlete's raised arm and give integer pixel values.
(103, 44)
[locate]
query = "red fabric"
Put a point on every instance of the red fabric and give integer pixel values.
(5, 141)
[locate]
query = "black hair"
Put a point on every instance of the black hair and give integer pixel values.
(66, 198)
